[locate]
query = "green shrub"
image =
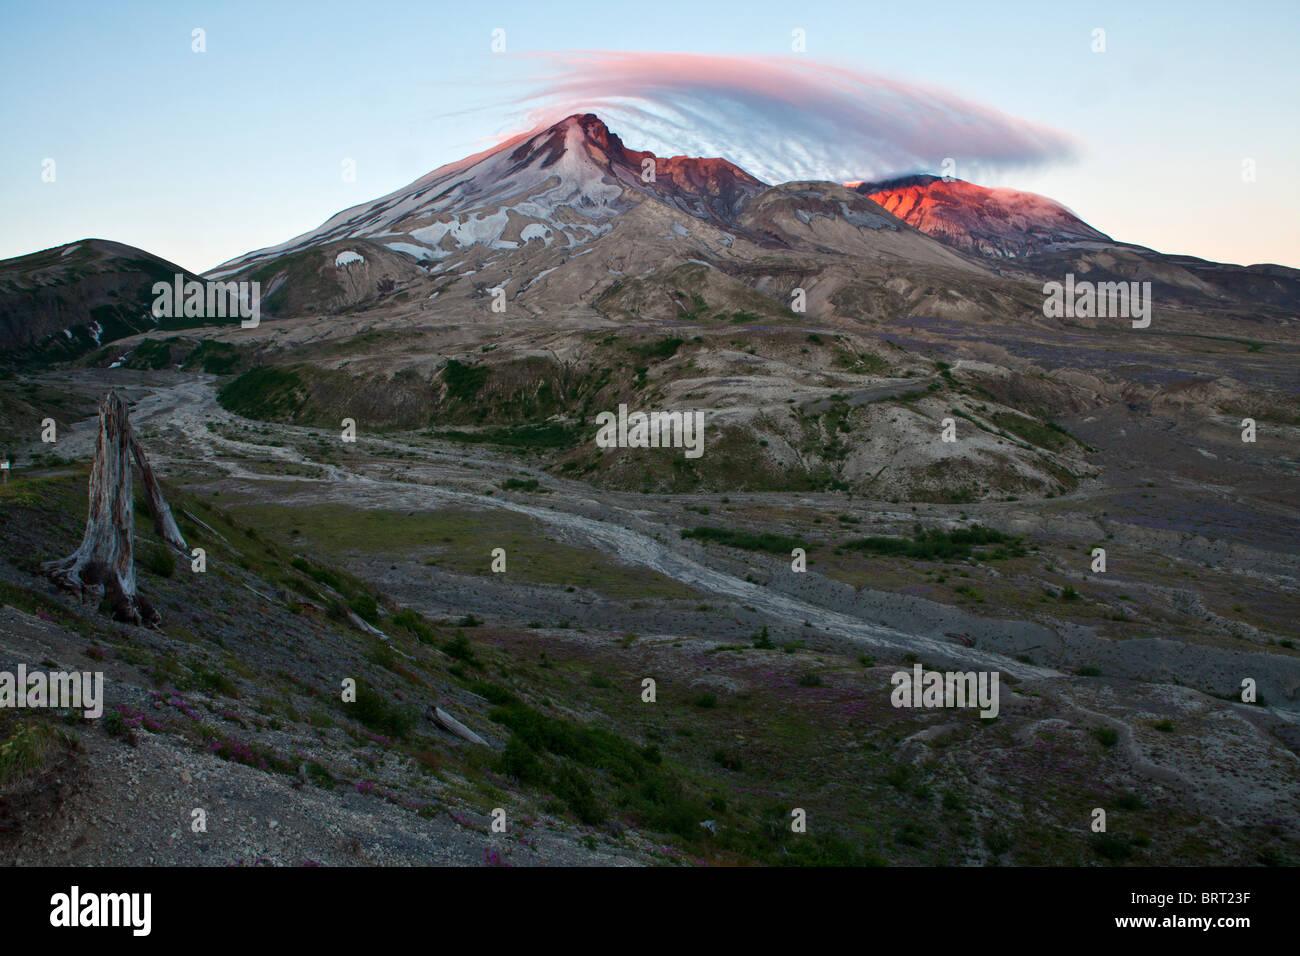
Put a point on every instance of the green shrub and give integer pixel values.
(463, 381)
(391, 720)
(520, 761)
(381, 653)
(998, 842)
(460, 648)
(320, 775)
(530, 436)
(1129, 801)
(728, 760)
(939, 545)
(572, 787)
(152, 354)
(264, 392)
(29, 746)
(1107, 736)
(1109, 846)
(156, 560)
(212, 681)
(320, 575)
(415, 625)
(747, 540)
(663, 349)
(366, 608)
(519, 484)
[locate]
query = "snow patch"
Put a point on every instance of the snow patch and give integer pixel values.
(347, 257)
(420, 252)
(537, 278)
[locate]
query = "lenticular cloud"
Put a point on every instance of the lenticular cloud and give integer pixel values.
(788, 118)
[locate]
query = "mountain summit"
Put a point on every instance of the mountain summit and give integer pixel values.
(992, 222)
(562, 185)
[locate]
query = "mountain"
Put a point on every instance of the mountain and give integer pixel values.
(1025, 235)
(568, 220)
(561, 186)
(991, 222)
(63, 302)
(568, 217)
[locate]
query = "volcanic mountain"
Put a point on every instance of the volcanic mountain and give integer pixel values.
(991, 222)
(562, 186)
(568, 220)
(568, 217)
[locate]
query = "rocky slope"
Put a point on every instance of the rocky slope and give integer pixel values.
(991, 222)
(63, 302)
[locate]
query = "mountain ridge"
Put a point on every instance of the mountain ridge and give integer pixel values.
(523, 215)
(997, 222)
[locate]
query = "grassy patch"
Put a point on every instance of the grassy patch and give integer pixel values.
(747, 540)
(532, 436)
(265, 392)
(939, 545)
(460, 540)
(28, 747)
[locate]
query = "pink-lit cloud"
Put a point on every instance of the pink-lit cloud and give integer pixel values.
(787, 118)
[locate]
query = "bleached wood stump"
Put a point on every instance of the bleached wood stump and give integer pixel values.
(104, 563)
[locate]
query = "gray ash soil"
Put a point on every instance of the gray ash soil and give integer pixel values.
(225, 706)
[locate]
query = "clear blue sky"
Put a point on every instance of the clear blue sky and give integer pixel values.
(200, 157)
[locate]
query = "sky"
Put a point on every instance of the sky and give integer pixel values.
(1182, 135)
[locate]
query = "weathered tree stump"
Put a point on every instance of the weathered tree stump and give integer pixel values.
(104, 563)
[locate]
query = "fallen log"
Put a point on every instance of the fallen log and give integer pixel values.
(449, 723)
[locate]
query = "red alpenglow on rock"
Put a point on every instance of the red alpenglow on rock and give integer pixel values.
(698, 186)
(993, 222)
